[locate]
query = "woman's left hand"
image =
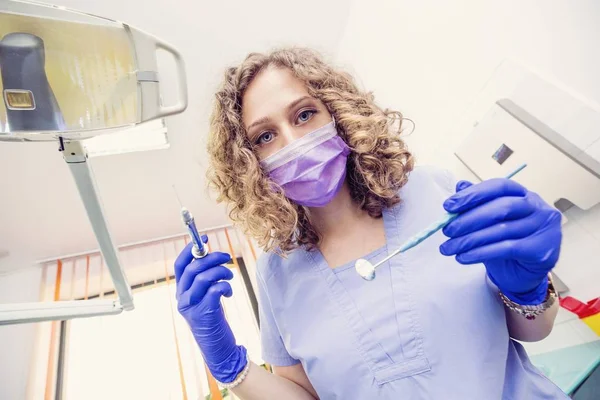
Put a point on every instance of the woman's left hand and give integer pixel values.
(512, 231)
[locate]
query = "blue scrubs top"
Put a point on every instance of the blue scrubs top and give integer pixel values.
(425, 328)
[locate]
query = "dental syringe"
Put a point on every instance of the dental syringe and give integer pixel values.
(199, 250)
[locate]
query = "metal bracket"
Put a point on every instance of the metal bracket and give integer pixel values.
(147, 76)
(73, 151)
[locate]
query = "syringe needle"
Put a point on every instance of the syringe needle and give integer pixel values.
(177, 195)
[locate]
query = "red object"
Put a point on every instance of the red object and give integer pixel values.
(582, 309)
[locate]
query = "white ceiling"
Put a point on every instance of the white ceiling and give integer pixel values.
(42, 215)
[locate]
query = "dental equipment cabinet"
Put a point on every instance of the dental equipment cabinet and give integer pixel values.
(521, 117)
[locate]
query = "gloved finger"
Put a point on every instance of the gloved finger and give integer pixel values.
(497, 250)
(463, 185)
(483, 192)
(183, 260)
(499, 232)
(204, 280)
(199, 265)
(214, 293)
(541, 249)
(488, 214)
(537, 251)
(186, 257)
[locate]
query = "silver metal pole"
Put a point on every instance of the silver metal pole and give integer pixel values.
(22, 313)
(75, 155)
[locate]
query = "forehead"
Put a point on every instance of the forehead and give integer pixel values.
(270, 92)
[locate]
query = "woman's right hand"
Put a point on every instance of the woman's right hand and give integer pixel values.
(200, 285)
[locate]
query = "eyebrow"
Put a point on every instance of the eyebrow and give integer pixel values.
(263, 120)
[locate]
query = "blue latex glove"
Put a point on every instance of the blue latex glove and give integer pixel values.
(200, 285)
(512, 231)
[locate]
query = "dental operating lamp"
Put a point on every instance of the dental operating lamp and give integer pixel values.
(67, 77)
(22, 62)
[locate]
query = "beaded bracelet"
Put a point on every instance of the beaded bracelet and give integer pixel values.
(241, 376)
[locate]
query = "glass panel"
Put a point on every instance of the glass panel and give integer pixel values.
(150, 135)
(60, 75)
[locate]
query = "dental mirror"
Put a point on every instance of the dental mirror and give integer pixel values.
(366, 269)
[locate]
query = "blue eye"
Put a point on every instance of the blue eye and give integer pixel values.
(306, 115)
(265, 138)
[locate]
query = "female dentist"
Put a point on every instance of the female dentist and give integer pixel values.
(314, 170)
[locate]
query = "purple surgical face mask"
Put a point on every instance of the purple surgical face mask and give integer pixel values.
(312, 169)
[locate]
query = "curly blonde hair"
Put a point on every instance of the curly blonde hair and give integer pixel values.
(377, 167)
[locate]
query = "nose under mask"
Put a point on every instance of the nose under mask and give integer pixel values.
(312, 169)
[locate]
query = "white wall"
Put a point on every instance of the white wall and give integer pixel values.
(16, 341)
(431, 59)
